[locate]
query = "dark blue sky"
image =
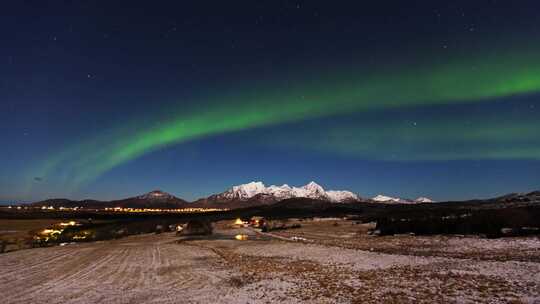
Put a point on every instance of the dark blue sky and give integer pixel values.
(111, 99)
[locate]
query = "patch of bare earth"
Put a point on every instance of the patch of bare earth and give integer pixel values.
(317, 274)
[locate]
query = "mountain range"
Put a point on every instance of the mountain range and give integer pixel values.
(256, 193)
(396, 200)
(244, 195)
(155, 200)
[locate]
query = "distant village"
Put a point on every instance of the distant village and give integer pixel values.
(117, 209)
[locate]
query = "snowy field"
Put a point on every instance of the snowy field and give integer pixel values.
(159, 269)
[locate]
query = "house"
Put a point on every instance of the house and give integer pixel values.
(239, 223)
(257, 222)
(197, 227)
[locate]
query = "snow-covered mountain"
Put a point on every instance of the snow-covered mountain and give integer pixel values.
(341, 196)
(396, 200)
(276, 193)
(424, 200)
(386, 199)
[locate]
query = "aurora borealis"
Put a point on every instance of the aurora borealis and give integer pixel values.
(418, 108)
(428, 86)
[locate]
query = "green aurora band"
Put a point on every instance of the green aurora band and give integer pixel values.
(425, 139)
(458, 80)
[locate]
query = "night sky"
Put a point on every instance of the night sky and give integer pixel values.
(108, 99)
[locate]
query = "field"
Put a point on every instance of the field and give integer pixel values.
(21, 228)
(17, 233)
(321, 262)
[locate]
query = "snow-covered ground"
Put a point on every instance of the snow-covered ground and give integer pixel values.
(158, 269)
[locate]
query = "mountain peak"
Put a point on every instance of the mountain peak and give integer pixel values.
(384, 198)
(245, 191)
(341, 196)
(423, 200)
(313, 186)
(156, 195)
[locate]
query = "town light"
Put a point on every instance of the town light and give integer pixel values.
(241, 237)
